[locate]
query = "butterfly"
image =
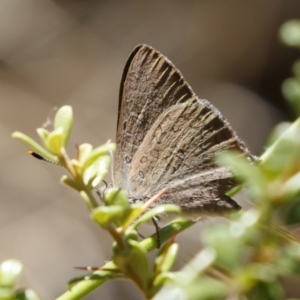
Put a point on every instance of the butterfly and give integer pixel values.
(167, 136)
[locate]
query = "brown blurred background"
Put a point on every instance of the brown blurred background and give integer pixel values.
(73, 52)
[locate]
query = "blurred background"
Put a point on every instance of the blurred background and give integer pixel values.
(73, 52)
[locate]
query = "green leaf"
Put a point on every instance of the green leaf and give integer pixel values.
(100, 276)
(171, 229)
(9, 273)
(133, 214)
(96, 172)
(43, 134)
(282, 159)
(132, 235)
(97, 152)
(70, 182)
(172, 292)
(105, 215)
(165, 258)
(291, 91)
(292, 254)
(290, 213)
(209, 288)
(27, 294)
(85, 151)
(64, 120)
(162, 278)
(116, 196)
(296, 68)
(290, 33)
(55, 141)
(277, 131)
(35, 146)
(88, 199)
(227, 247)
(7, 294)
(288, 263)
(203, 288)
(291, 187)
(157, 210)
(263, 290)
(134, 264)
(201, 262)
(245, 171)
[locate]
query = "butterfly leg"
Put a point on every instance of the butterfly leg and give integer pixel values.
(157, 228)
(100, 191)
(140, 235)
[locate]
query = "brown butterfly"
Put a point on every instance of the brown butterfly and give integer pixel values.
(167, 136)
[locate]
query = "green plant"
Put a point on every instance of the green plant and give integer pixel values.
(116, 215)
(9, 273)
(244, 259)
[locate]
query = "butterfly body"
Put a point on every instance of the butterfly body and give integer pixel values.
(167, 136)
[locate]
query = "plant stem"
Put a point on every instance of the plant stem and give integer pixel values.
(85, 287)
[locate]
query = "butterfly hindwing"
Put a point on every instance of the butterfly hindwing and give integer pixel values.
(178, 151)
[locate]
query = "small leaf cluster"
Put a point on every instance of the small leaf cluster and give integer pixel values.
(290, 35)
(9, 274)
(115, 214)
(87, 170)
(130, 259)
(249, 257)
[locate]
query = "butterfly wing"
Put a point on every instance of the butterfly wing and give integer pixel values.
(166, 136)
(150, 84)
(178, 152)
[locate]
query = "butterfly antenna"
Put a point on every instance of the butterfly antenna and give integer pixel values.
(40, 157)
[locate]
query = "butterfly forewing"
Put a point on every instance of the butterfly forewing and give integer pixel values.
(150, 84)
(166, 136)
